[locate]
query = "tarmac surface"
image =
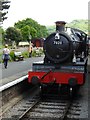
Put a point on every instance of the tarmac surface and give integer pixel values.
(16, 69)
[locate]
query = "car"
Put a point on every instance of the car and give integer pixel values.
(18, 56)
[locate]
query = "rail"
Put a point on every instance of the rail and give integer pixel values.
(29, 109)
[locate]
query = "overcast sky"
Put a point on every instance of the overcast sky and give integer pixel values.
(46, 12)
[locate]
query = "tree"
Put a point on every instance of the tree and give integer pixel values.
(28, 31)
(44, 31)
(89, 27)
(3, 6)
(13, 34)
(1, 36)
(80, 24)
(33, 32)
(25, 32)
(36, 30)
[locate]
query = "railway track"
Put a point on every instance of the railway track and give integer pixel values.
(32, 107)
(52, 107)
(52, 110)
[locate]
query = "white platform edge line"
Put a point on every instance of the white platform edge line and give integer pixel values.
(13, 83)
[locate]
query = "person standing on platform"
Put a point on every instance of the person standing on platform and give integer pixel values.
(6, 56)
(30, 51)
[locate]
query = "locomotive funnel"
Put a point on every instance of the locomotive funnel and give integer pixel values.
(60, 25)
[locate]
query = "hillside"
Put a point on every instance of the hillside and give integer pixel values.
(80, 24)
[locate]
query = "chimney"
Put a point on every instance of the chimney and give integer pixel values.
(60, 25)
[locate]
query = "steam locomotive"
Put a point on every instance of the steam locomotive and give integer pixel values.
(65, 61)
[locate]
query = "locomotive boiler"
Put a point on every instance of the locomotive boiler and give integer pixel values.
(65, 61)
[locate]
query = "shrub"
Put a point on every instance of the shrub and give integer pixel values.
(34, 53)
(11, 55)
(25, 54)
(1, 58)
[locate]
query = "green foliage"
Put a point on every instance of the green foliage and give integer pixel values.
(51, 29)
(25, 54)
(27, 31)
(89, 27)
(12, 55)
(13, 34)
(34, 53)
(1, 35)
(1, 57)
(39, 53)
(80, 24)
(33, 28)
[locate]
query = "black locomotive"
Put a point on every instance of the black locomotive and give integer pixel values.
(65, 44)
(65, 61)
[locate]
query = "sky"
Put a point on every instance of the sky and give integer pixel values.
(46, 12)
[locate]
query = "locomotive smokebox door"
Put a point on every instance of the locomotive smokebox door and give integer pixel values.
(58, 47)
